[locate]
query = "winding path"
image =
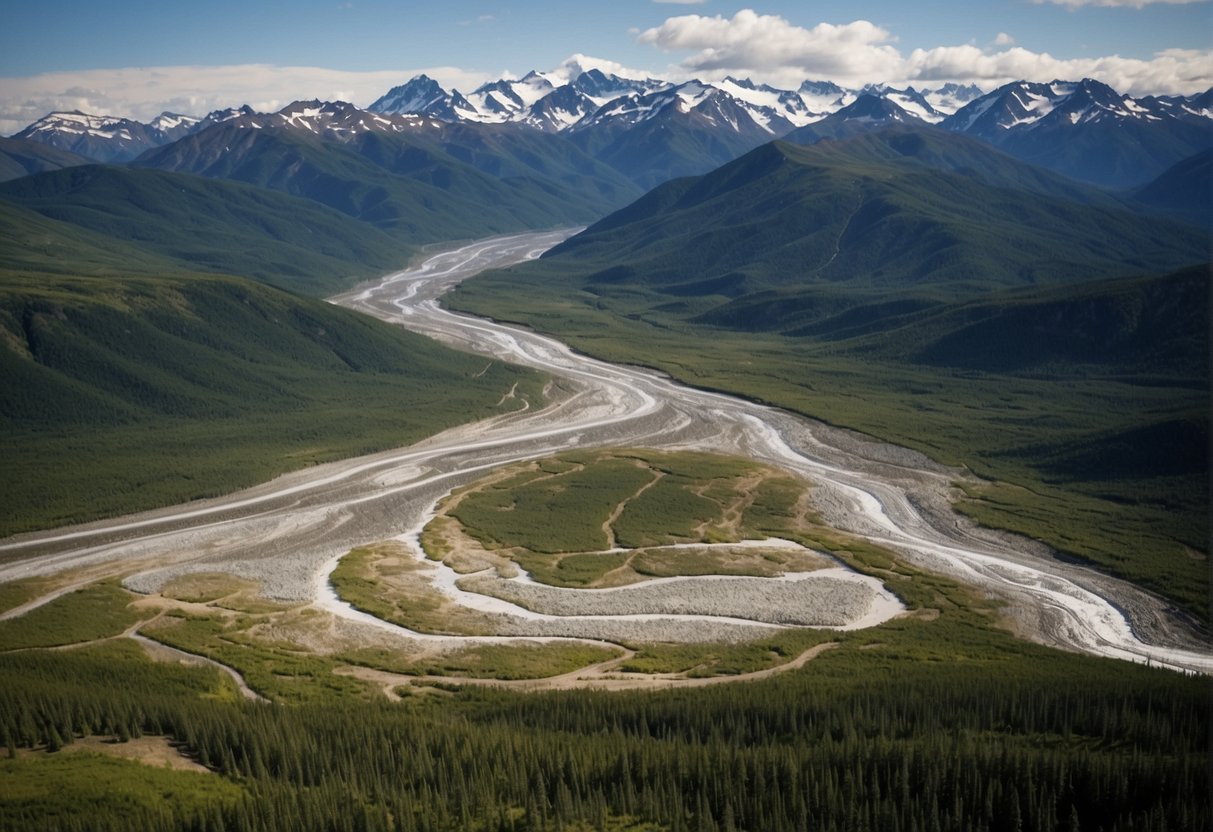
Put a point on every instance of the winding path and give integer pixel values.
(286, 533)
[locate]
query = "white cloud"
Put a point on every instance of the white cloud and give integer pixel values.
(1174, 70)
(1127, 4)
(574, 65)
(143, 93)
(769, 48)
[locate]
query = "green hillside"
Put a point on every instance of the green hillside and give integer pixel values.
(129, 378)
(28, 240)
(511, 154)
(1184, 191)
(668, 146)
(198, 225)
(941, 150)
(411, 188)
(814, 218)
(1001, 329)
(119, 393)
(21, 157)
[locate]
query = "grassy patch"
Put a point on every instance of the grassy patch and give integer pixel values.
(390, 590)
(16, 593)
(203, 587)
(757, 562)
(120, 393)
(283, 673)
(520, 512)
(633, 499)
(74, 789)
(94, 612)
(571, 570)
(523, 660)
(704, 660)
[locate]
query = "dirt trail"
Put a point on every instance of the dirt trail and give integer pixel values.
(163, 653)
(601, 676)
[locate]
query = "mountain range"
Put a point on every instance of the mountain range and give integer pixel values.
(650, 130)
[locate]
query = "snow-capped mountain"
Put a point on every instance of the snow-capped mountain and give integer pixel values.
(825, 96)
(504, 99)
(333, 120)
(220, 116)
(951, 97)
(542, 101)
(1022, 106)
(173, 125)
(1082, 128)
(704, 101)
(772, 107)
(570, 103)
(424, 96)
(1088, 130)
(105, 138)
(908, 100)
(576, 99)
(871, 110)
(593, 97)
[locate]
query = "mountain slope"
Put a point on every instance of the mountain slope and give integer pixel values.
(31, 242)
(105, 138)
(21, 157)
(1184, 191)
(682, 131)
(421, 181)
(202, 225)
(120, 393)
(1086, 130)
(866, 113)
(936, 149)
(818, 216)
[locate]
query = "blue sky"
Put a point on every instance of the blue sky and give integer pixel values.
(262, 51)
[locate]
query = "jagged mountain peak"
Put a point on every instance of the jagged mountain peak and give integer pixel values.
(872, 107)
(103, 138)
(422, 95)
(583, 96)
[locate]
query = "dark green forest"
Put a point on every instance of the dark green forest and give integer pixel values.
(862, 740)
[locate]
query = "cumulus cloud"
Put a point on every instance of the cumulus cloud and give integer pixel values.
(769, 48)
(1173, 70)
(574, 65)
(143, 93)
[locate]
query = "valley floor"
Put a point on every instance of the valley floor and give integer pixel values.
(285, 535)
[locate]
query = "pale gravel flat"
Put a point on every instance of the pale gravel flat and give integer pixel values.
(807, 602)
